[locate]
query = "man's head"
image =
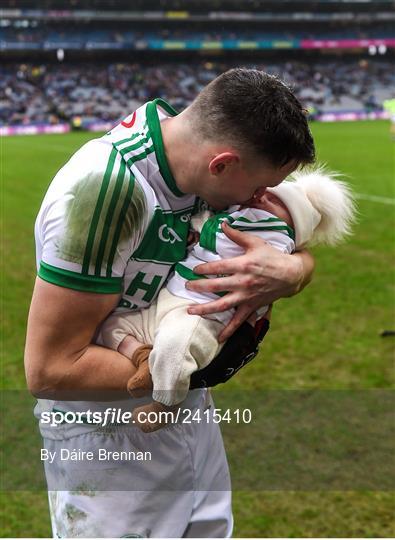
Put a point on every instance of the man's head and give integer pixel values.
(252, 132)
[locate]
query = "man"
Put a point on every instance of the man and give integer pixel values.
(113, 222)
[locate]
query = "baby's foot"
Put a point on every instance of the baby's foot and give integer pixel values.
(153, 416)
(140, 384)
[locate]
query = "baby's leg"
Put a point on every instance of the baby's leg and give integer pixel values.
(183, 344)
(129, 345)
(119, 325)
(141, 383)
(154, 416)
(130, 333)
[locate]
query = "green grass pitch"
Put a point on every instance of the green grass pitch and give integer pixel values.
(328, 337)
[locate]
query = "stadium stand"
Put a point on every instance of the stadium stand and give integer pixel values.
(112, 57)
(113, 38)
(54, 93)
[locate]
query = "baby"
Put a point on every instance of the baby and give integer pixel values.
(309, 208)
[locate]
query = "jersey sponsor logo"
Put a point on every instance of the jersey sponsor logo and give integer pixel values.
(185, 218)
(167, 234)
(165, 238)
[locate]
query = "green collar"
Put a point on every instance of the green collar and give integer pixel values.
(156, 134)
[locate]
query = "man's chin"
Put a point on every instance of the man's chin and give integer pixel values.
(222, 205)
(248, 202)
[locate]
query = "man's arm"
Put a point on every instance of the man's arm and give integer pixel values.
(60, 361)
(259, 277)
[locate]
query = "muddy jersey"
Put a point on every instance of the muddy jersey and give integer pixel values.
(113, 219)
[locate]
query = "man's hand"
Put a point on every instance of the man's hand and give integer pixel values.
(257, 278)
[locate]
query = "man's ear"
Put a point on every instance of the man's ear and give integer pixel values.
(221, 162)
(289, 167)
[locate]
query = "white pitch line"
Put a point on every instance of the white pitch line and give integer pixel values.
(375, 198)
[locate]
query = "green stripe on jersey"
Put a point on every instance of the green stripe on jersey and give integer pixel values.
(156, 133)
(138, 157)
(109, 217)
(190, 275)
(187, 273)
(140, 143)
(212, 227)
(115, 211)
(281, 228)
(136, 210)
(261, 224)
(128, 139)
(79, 282)
(97, 212)
(208, 235)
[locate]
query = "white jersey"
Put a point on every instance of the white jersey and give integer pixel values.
(113, 219)
(214, 245)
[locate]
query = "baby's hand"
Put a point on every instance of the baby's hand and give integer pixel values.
(193, 238)
(128, 346)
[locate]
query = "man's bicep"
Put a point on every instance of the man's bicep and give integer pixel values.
(61, 325)
(89, 225)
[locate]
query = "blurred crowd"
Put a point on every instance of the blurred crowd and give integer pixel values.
(56, 93)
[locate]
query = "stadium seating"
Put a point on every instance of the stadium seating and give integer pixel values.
(55, 93)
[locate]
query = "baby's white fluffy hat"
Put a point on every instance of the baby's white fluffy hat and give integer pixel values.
(322, 207)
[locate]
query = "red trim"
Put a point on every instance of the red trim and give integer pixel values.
(129, 124)
(258, 327)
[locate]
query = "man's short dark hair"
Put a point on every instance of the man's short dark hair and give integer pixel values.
(256, 112)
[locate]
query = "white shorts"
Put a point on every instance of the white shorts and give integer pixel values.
(183, 491)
